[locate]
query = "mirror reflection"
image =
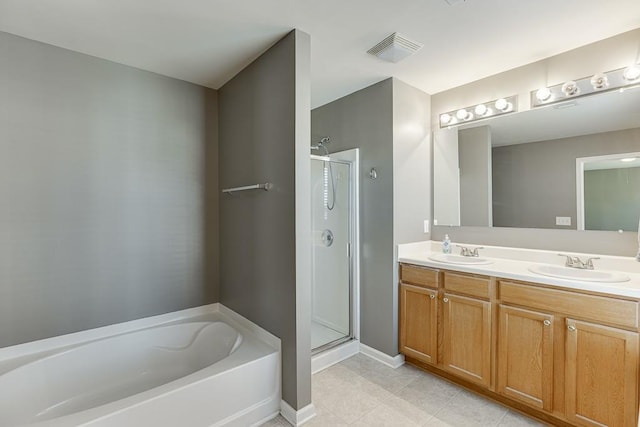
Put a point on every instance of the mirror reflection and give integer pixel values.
(574, 165)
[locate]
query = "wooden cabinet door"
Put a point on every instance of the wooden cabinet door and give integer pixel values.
(418, 322)
(525, 356)
(601, 383)
(467, 338)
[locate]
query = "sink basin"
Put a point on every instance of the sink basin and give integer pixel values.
(459, 259)
(578, 274)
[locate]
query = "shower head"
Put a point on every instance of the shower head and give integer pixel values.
(322, 144)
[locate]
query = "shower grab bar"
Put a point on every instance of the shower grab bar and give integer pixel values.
(266, 187)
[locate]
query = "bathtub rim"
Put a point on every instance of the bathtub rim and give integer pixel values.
(23, 353)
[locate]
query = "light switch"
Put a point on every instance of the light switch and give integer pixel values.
(426, 225)
(563, 220)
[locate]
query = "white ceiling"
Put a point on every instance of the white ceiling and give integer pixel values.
(209, 41)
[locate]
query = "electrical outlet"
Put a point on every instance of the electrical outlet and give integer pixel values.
(563, 220)
(426, 225)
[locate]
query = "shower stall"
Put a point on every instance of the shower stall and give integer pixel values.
(334, 247)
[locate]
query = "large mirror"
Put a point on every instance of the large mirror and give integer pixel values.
(574, 165)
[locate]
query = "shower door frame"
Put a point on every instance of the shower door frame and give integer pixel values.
(352, 159)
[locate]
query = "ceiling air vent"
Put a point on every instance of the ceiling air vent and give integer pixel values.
(394, 48)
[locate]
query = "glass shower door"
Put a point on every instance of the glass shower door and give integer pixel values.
(331, 262)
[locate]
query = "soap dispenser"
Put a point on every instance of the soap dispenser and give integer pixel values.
(446, 245)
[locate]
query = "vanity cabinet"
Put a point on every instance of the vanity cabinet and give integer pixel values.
(464, 313)
(467, 338)
(525, 356)
(597, 371)
(601, 375)
(418, 322)
(569, 357)
(419, 313)
(466, 327)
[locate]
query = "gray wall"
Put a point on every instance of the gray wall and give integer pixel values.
(364, 120)
(108, 192)
(259, 109)
(389, 123)
(535, 182)
(474, 146)
(612, 199)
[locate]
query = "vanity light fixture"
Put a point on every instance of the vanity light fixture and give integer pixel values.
(632, 73)
(620, 80)
(482, 110)
(463, 114)
(570, 88)
(599, 81)
(503, 105)
(543, 94)
(479, 111)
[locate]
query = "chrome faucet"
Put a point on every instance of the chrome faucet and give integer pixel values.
(466, 251)
(576, 262)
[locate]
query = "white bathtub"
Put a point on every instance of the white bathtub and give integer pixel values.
(185, 371)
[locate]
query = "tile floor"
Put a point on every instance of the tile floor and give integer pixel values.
(365, 393)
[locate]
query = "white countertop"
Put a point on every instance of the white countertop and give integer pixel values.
(514, 263)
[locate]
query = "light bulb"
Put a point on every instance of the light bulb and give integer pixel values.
(632, 72)
(629, 159)
(599, 81)
(570, 88)
(462, 114)
(501, 104)
(445, 118)
(543, 94)
(481, 109)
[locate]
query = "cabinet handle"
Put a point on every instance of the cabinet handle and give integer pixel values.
(547, 322)
(432, 296)
(445, 300)
(571, 328)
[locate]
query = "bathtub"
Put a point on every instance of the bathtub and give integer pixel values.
(200, 367)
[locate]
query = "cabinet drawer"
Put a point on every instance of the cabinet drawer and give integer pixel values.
(477, 286)
(601, 309)
(420, 276)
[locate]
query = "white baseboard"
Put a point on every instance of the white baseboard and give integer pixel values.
(393, 362)
(297, 418)
(332, 356)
